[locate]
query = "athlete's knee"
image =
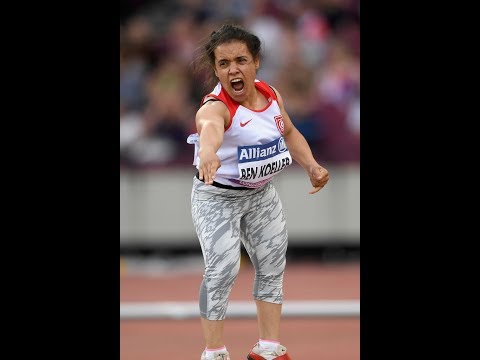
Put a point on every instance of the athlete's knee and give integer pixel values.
(215, 290)
(223, 275)
(271, 267)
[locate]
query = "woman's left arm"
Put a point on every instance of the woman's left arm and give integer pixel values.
(301, 152)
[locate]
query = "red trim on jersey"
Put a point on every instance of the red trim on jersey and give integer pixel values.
(266, 90)
(227, 100)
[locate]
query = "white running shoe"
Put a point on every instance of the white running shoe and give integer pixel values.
(217, 355)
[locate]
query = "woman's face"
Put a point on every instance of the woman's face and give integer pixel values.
(236, 69)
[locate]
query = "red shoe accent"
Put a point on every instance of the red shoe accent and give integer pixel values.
(253, 356)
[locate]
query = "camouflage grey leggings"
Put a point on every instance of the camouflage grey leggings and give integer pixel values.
(222, 218)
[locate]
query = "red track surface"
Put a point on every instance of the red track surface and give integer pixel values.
(306, 338)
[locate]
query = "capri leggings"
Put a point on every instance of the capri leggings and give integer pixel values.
(222, 219)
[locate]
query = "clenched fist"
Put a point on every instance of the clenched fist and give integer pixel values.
(318, 177)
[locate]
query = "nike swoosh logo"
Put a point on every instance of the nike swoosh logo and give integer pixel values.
(245, 123)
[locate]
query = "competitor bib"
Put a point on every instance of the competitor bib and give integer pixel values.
(257, 164)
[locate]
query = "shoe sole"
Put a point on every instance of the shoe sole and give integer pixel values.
(250, 358)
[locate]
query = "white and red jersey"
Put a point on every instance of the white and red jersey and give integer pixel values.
(253, 148)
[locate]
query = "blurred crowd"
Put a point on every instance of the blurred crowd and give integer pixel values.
(311, 54)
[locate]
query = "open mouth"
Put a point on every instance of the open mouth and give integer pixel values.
(237, 85)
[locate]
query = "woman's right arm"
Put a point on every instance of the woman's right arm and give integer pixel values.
(211, 120)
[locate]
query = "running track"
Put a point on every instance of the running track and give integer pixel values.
(305, 338)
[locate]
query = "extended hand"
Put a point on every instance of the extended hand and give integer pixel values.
(209, 164)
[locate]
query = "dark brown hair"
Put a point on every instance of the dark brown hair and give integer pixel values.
(204, 62)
